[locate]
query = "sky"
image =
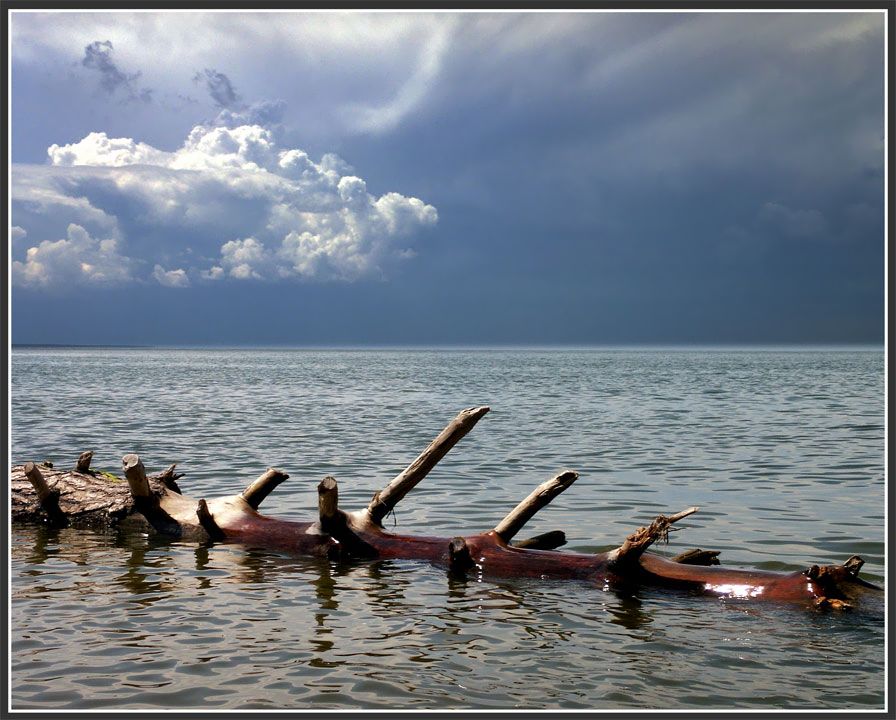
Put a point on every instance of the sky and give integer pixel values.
(348, 178)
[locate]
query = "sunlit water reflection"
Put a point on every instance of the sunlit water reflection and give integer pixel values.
(783, 451)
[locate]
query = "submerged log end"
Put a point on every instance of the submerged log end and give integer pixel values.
(834, 584)
(263, 486)
(83, 464)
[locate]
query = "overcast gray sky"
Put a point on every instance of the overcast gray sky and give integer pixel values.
(475, 178)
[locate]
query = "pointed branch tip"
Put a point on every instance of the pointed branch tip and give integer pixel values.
(387, 498)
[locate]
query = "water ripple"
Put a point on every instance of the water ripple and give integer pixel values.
(783, 451)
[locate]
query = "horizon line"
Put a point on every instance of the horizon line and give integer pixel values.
(462, 346)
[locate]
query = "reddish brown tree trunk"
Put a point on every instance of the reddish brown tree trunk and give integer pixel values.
(84, 497)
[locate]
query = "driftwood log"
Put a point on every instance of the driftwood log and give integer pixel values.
(84, 497)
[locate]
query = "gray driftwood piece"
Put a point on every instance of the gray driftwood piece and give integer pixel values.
(86, 498)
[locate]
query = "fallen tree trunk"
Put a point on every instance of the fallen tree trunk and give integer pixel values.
(84, 497)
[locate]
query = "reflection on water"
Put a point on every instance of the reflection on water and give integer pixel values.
(782, 451)
(628, 613)
(225, 626)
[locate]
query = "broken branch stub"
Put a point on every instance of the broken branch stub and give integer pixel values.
(136, 476)
(169, 478)
(459, 558)
(48, 498)
(208, 522)
(334, 522)
(328, 502)
(637, 543)
(387, 498)
(83, 464)
(37, 481)
(537, 499)
(546, 541)
(146, 503)
(263, 486)
(696, 556)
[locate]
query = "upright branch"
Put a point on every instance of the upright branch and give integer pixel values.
(144, 500)
(136, 476)
(47, 497)
(637, 543)
(387, 498)
(328, 503)
(537, 499)
(263, 486)
(334, 522)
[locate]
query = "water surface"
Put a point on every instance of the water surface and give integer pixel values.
(782, 450)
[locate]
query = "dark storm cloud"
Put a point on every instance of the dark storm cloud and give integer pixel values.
(219, 87)
(98, 56)
(608, 177)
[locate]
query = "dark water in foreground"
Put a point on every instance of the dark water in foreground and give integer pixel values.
(783, 451)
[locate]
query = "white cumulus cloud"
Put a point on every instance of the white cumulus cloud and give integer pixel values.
(76, 259)
(171, 278)
(229, 203)
(97, 149)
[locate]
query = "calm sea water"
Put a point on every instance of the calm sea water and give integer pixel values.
(782, 450)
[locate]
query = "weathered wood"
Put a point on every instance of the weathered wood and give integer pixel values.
(263, 486)
(169, 478)
(854, 564)
(83, 464)
(387, 498)
(537, 499)
(360, 534)
(87, 500)
(339, 525)
(328, 501)
(637, 543)
(147, 502)
(136, 476)
(546, 541)
(37, 481)
(47, 497)
(697, 556)
(235, 521)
